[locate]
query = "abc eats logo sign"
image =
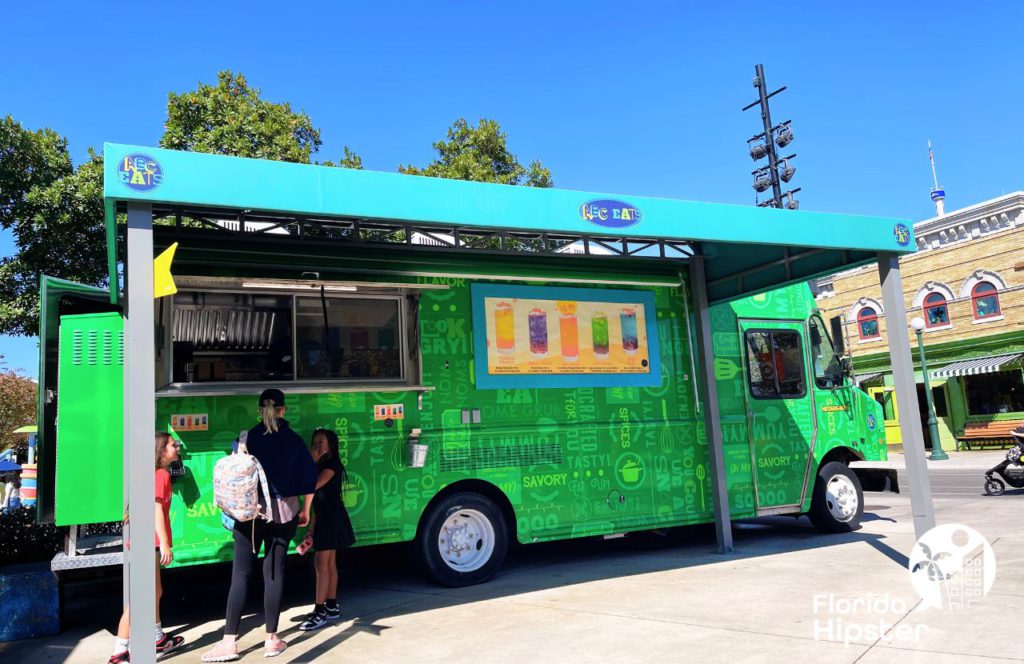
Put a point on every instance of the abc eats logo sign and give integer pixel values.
(140, 172)
(610, 213)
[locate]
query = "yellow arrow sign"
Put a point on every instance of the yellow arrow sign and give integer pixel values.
(163, 282)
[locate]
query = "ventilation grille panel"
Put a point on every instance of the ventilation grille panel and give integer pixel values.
(502, 456)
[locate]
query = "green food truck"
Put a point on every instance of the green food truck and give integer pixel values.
(489, 382)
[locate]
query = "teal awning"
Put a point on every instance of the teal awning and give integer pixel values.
(747, 248)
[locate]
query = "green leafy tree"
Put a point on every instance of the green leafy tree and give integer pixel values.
(349, 160)
(480, 154)
(28, 159)
(55, 213)
(232, 118)
(17, 409)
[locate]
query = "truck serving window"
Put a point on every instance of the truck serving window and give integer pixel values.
(248, 337)
(219, 337)
(775, 364)
(347, 338)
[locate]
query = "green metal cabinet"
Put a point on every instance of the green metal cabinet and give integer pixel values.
(90, 421)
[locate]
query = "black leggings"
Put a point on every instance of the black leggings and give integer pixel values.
(275, 536)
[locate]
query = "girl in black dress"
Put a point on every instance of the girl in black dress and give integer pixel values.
(329, 529)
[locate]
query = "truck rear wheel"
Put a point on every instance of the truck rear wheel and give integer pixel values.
(837, 504)
(463, 540)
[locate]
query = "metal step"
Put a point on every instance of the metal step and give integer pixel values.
(62, 561)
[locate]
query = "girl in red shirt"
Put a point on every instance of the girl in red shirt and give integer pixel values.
(166, 453)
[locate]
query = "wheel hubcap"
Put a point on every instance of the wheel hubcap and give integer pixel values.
(841, 497)
(466, 540)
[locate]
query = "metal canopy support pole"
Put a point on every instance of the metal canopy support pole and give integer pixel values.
(709, 396)
(140, 410)
(906, 392)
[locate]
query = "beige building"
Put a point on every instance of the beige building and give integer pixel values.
(967, 282)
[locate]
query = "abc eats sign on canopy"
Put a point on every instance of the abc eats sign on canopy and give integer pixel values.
(610, 213)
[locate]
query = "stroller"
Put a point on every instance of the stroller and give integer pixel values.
(1011, 470)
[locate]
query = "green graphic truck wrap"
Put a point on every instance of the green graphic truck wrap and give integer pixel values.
(590, 423)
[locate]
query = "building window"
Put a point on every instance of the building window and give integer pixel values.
(936, 311)
(775, 364)
(999, 392)
(985, 299)
(867, 323)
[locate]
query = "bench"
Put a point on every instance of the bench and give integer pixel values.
(987, 433)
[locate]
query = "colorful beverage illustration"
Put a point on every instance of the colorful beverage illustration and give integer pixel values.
(630, 340)
(599, 334)
(505, 328)
(538, 320)
(569, 331)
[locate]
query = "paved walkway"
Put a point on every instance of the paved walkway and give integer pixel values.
(966, 459)
(784, 596)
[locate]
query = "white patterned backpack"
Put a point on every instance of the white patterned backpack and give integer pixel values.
(237, 481)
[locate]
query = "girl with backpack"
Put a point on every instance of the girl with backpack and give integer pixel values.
(291, 475)
(166, 453)
(329, 530)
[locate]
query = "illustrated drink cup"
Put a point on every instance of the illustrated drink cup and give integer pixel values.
(599, 332)
(569, 331)
(538, 332)
(505, 328)
(630, 341)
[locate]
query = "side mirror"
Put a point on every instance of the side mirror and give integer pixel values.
(847, 363)
(838, 340)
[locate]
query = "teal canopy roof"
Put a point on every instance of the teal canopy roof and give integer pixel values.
(747, 248)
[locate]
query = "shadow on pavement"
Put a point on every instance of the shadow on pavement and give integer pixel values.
(381, 582)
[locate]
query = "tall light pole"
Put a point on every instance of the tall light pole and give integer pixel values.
(933, 424)
(778, 170)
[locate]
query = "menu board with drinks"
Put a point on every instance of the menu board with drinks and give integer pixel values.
(572, 331)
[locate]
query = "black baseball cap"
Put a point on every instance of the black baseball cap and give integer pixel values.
(273, 395)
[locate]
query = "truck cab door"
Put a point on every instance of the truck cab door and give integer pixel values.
(57, 298)
(780, 411)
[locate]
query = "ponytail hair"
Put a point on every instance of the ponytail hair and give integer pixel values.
(268, 413)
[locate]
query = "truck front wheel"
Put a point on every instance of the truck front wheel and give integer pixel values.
(463, 540)
(838, 501)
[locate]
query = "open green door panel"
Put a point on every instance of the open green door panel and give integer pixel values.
(60, 303)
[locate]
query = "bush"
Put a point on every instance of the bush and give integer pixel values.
(111, 528)
(22, 540)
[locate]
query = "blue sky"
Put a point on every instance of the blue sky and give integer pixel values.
(645, 101)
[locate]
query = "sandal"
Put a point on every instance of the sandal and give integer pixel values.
(221, 652)
(273, 647)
